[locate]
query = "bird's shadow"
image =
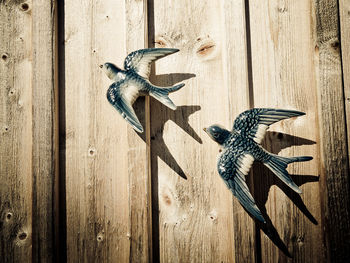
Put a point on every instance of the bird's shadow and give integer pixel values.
(160, 114)
(263, 179)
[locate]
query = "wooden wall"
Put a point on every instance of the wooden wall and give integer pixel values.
(79, 185)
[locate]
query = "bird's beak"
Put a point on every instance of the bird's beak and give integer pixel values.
(205, 129)
(101, 66)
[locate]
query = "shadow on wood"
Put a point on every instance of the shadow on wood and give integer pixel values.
(158, 146)
(263, 179)
(179, 116)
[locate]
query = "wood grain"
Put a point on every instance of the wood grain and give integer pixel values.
(344, 12)
(96, 166)
(334, 158)
(198, 221)
(283, 71)
(45, 131)
(138, 152)
(16, 132)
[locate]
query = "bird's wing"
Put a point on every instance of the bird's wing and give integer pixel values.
(123, 103)
(233, 169)
(140, 60)
(254, 123)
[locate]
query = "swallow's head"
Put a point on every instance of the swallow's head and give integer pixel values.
(217, 133)
(110, 69)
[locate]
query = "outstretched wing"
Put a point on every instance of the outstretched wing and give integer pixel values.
(233, 168)
(122, 101)
(140, 60)
(254, 123)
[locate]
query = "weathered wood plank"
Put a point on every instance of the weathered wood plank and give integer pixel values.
(198, 221)
(45, 131)
(96, 148)
(235, 66)
(344, 11)
(283, 72)
(138, 152)
(334, 156)
(16, 132)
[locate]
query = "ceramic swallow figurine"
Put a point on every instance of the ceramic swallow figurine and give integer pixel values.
(241, 146)
(133, 82)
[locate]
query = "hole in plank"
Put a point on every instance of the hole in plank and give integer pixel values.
(4, 56)
(9, 216)
(22, 236)
(24, 7)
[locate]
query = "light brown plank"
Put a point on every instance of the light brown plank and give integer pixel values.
(334, 156)
(344, 11)
(45, 131)
(16, 132)
(198, 221)
(283, 70)
(140, 206)
(96, 160)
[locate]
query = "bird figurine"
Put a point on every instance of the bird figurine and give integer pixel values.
(133, 82)
(241, 146)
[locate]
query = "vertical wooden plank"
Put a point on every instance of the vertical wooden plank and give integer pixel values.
(16, 131)
(45, 131)
(95, 134)
(198, 220)
(344, 11)
(283, 69)
(140, 206)
(334, 157)
(235, 57)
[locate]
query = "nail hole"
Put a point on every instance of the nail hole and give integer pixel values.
(99, 238)
(22, 236)
(9, 216)
(4, 57)
(24, 7)
(92, 152)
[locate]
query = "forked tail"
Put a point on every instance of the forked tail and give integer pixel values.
(278, 164)
(162, 94)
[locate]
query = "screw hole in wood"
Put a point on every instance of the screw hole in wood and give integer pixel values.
(24, 7)
(22, 236)
(9, 216)
(4, 57)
